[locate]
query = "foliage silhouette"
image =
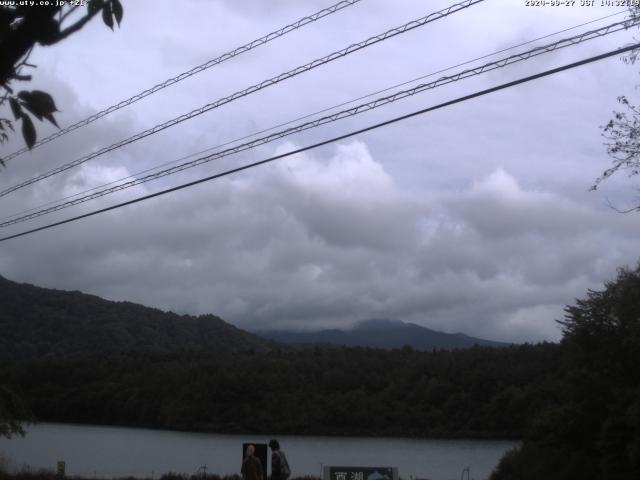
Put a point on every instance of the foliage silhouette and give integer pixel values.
(591, 429)
(22, 27)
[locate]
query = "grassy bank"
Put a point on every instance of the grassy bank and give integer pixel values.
(49, 475)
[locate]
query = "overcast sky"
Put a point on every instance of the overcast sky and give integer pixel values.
(475, 218)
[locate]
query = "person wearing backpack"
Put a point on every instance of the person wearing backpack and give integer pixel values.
(280, 469)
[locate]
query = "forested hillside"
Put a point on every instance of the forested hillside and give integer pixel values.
(477, 392)
(38, 322)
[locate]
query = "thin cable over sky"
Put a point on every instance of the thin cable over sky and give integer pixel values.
(289, 122)
(338, 138)
(503, 62)
(254, 88)
(195, 70)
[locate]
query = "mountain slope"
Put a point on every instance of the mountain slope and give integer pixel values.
(37, 322)
(381, 333)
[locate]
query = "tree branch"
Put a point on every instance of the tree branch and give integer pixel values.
(69, 12)
(76, 26)
(613, 207)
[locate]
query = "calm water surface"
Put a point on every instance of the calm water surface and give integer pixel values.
(99, 452)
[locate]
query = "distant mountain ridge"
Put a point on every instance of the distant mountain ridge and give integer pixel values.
(37, 322)
(381, 333)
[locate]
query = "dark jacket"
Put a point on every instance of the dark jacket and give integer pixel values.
(277, 458)
(251, 469)
(276, 468)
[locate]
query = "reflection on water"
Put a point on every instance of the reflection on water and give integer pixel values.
(95, 451)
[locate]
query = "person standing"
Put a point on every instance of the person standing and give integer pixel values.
(279, 465)
(251, 466)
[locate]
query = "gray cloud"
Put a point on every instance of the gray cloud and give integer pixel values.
(317, 241)
(474, 218)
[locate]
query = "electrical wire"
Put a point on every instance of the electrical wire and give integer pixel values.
(501, 63)
(334, 139)
(254, 88)
(195, 70)
(289, 122)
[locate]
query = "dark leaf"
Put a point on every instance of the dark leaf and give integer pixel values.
(41, 101)
(15, 107)
(5, 137)
(94, 6)
(40, 104)
(2, 162)
(33, 111)
(49, 117)
(28, 131)
(116, 7)
(107, 15)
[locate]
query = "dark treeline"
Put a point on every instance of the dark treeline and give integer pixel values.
(478, 392)
(590, 429)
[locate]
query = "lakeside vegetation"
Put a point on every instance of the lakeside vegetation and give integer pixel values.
(49, 475)
(481, 392)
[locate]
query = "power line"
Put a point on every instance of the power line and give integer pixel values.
(335, 139)
(501, 63)
(195, 70)
(254, 88)
(289, 122)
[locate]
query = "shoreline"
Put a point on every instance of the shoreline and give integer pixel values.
(44, 474)
(238, 432)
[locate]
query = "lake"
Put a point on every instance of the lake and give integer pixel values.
(100, 452)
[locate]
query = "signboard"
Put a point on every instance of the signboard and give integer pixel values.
(359, 473)
(260, 453)
(60, 468)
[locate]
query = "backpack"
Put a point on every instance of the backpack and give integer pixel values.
(285, 470)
